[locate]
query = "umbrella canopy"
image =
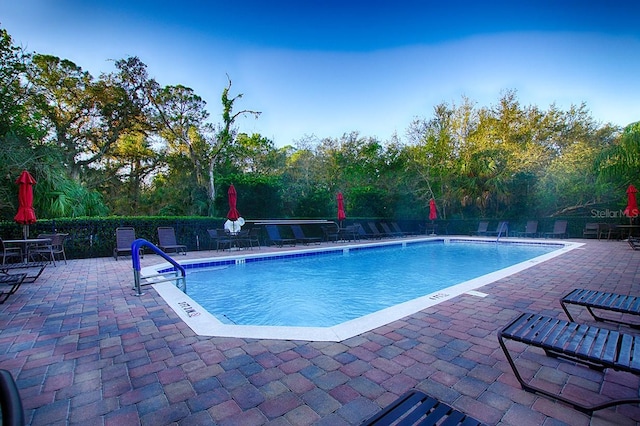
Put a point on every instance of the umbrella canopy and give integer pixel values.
(26, 215)
(341, 214)
(433, 214)
(233, 214)
(632, 203)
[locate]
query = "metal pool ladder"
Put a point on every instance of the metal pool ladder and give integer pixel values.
(179, 274)
(503, 225)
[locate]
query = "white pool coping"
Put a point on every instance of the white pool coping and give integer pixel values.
(204, 323)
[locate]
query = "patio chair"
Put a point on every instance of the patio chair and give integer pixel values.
(415, 407)
(331, 232)
(593, 347)
(482, 228)
(634, 243)
(167, 241)
(10, 402)
(609, 231)
(559, 230)
(360, 232)
(389, 232)
(125, 236)
(14, 281)
(9, 253)
(300, 237)
(223, 239)
(254, 237)
(50, 250)
(274, 236)
(530, 230)
(600, 300)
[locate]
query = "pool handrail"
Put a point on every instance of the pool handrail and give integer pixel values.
(135, 260)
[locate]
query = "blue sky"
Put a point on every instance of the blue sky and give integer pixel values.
(324, 68)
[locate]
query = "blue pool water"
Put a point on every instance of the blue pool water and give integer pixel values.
(327, 289)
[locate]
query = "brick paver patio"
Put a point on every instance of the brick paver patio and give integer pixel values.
(84, 350)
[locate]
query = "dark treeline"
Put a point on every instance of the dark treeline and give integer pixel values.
(123, 144)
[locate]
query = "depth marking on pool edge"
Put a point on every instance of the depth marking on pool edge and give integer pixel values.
(439, 296)
(188, 309)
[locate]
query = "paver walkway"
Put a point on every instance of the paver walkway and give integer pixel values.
(84, 350)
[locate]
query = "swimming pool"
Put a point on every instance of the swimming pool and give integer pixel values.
(351, 296)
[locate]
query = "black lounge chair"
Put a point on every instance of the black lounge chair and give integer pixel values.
(634, 243)
(389, 232)
(375, 231)
(483, 228)
(415, 407)
(12, 280)
(530, 230)
(28, 265)
(125, 236)
(274, 236)
(396, 228)
(167, 241)
(559, 230)
(612, 302)
(300, 237)
(10, 402)
(593, 347)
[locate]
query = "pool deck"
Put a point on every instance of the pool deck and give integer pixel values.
(85, 350)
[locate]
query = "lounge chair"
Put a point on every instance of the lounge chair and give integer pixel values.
(501, 230)
(530, 230)
(13, 281)
(360, 232)
(415, 407)
(634, 243)
(591, 230)
(389, 232)
(559, 230)
(375, 231)
(9, 253)
(274, 236)
(300, 237)
(396, 228)
(482, 228)
(12, 412)
(593, 347)
(50, 250)
(125, 236)
(39, 266)
(612, 302)
(167, 241)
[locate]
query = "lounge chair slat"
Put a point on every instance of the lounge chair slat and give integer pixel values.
(624, 351)
(415, 407)
(610, 353)
(635, 357)
(586, 346)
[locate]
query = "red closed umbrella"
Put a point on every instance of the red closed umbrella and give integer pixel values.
(433, 214)
(341, 214)
(632, 204)
(26, 215)
(233, 214)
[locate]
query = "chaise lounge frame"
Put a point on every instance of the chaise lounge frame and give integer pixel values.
(12, 280)
(613, 302)
(415, 407)
(594, 347)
